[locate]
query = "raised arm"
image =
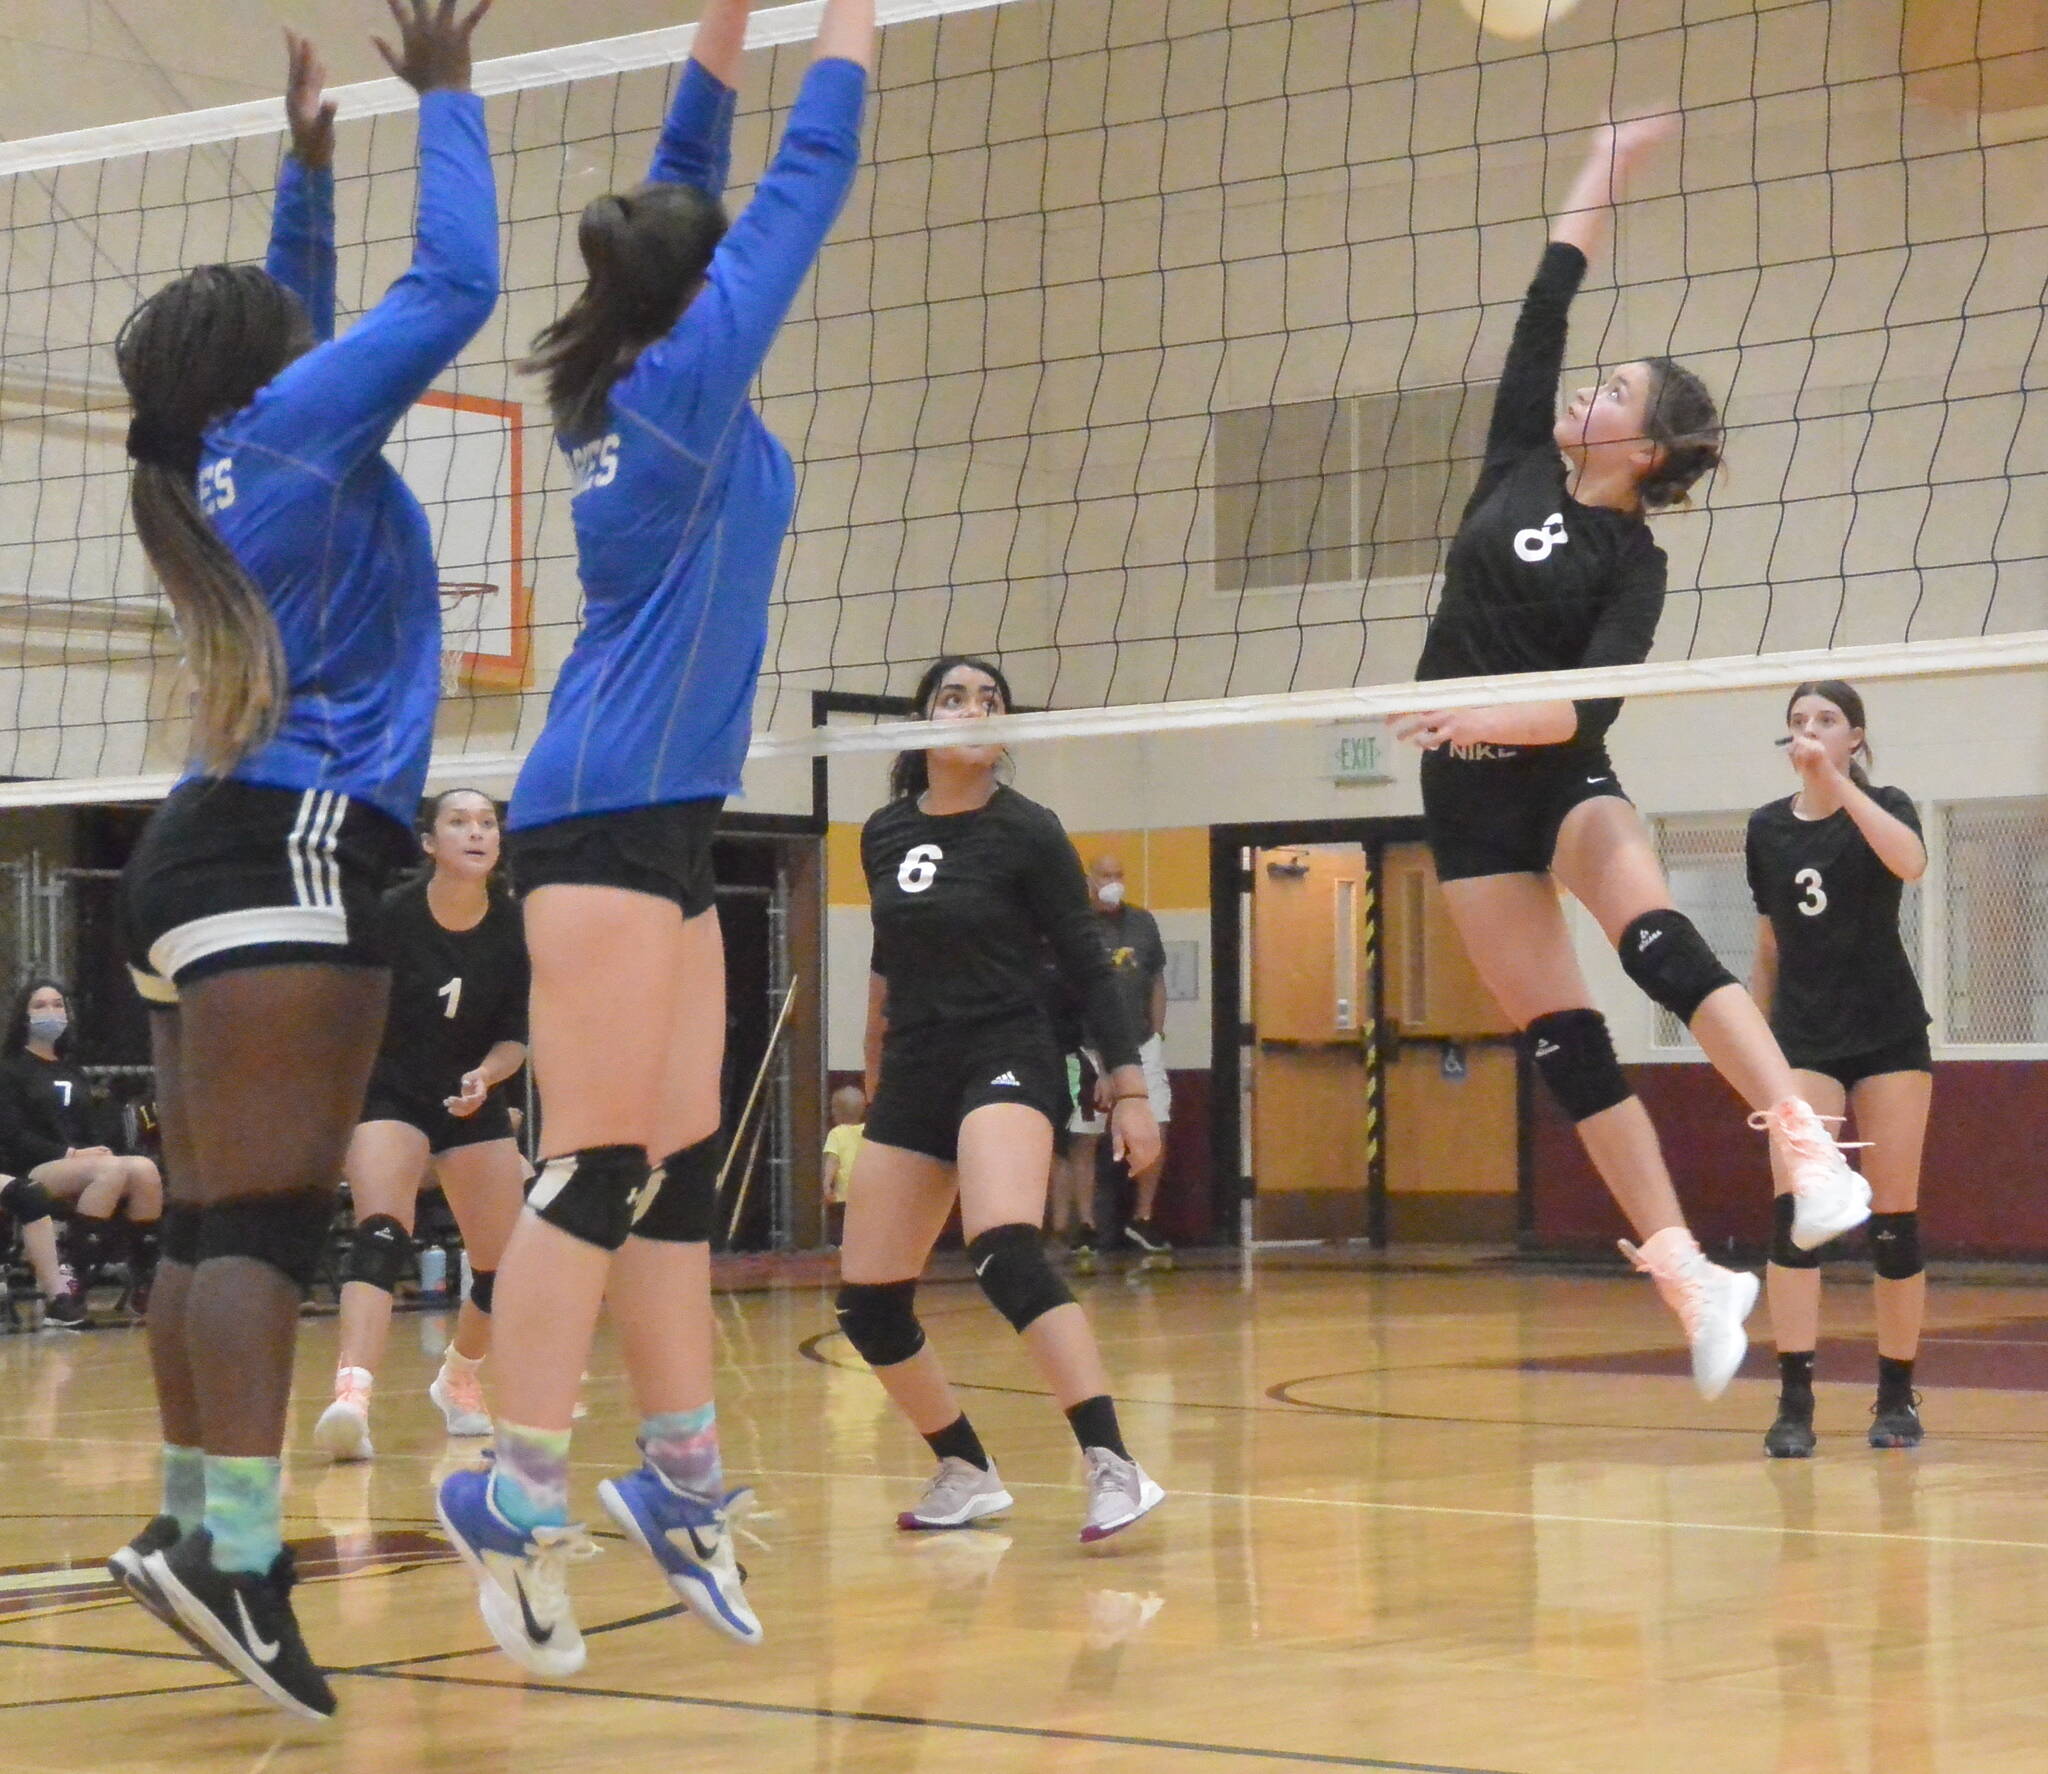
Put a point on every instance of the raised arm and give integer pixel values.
(302, 220)
(1525, 406)
(696, 137)
(688, 385)
(338, 404)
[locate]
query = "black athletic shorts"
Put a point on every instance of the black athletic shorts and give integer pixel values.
(934, 1078)
(231, 875)
(1909, 1053)
(1497, 810)
(665, 851)
(445, 1132)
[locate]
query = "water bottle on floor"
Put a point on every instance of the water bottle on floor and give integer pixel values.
(433, 1271)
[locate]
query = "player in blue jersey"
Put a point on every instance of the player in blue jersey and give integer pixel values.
(302, 576)
(683, 500)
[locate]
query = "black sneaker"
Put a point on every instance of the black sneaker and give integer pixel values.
(1791, 1437)
(66, 1312)
(129, 1568)
(245, 1621)
(1148, 1238)
(1895, 1422)
(1080, 1236)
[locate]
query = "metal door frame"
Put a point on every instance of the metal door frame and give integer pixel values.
(1230, 1027)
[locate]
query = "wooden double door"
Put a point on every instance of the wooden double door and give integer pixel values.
(1381, 1085)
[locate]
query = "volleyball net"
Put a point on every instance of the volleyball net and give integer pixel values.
(1151, 358)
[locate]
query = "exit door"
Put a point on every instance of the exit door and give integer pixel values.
(1310, 1082)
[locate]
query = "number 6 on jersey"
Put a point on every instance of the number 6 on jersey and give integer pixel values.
(919, 868)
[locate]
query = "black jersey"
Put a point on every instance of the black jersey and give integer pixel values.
(1844, 984)
(1535, 581)
(455, 994)
(963, 902)
(45, 1111)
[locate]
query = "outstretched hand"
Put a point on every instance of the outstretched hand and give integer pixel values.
(1619, 147)
(433, 43)
(310, 115)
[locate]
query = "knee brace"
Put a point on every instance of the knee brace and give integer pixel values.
(1012, 1267)
(685, 1209)
(1895, 1245)
(593, 1194)
(1664, 953)
(880, 1320)
(27, 1201)
(288, 1231)
(1575, 1054)
(1784, 1252)
(181, 1234)
(481, 1282)
(377, 1252)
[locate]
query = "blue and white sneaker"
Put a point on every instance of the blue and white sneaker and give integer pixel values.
(522, 1586)
(692, 1543)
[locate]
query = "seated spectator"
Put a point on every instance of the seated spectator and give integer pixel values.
(842, 1147)
(48, 1137)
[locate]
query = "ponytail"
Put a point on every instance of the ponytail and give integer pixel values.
(646, 252)
(194, 353)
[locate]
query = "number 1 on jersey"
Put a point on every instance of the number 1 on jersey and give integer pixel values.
(452, 991)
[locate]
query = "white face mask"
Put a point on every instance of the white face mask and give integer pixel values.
(47, 1025)
(1111, 894)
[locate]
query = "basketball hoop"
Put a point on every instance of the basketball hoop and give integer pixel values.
(458, 636)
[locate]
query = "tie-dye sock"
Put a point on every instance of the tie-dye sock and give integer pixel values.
(683, 1447)
(530, 1480)
(244, 1511)
(184, 1486)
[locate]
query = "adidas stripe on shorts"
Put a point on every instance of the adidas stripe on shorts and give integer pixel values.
(230, 875)
(933, 1078)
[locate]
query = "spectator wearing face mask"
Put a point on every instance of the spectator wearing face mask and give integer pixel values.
(51, 1149)
(1138, 958)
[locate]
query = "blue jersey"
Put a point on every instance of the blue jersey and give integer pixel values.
(683, 500)
(297, 485)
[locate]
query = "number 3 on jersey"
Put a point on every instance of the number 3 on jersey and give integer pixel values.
(1816, 900)
(452, 991)
(919, 868)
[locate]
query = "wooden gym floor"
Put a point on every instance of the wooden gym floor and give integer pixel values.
(1471, 1521)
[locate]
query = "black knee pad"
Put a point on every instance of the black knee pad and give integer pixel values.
(593, 1194)
(27, 1201)
(1014, 1271)
(1784, 1252)
(287, 1230)
(180, 1234)
(481, 1283)
(1664, 953)
(1575, 1055)
(880, 1320)
(1895, 1245)
(685, 1209)
(377, 1252)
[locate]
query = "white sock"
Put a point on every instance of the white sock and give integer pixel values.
(452, 1357)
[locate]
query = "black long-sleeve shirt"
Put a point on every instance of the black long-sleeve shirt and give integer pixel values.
(45, 1111)
(455, 994)
(1535, 581)
(962, 902)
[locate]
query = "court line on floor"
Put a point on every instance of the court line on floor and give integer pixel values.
(971, 1727)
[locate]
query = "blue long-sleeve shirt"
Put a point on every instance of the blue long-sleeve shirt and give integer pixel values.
(297, 485)
(684, 498)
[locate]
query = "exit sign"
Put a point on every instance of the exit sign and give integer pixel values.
(1358, 753)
